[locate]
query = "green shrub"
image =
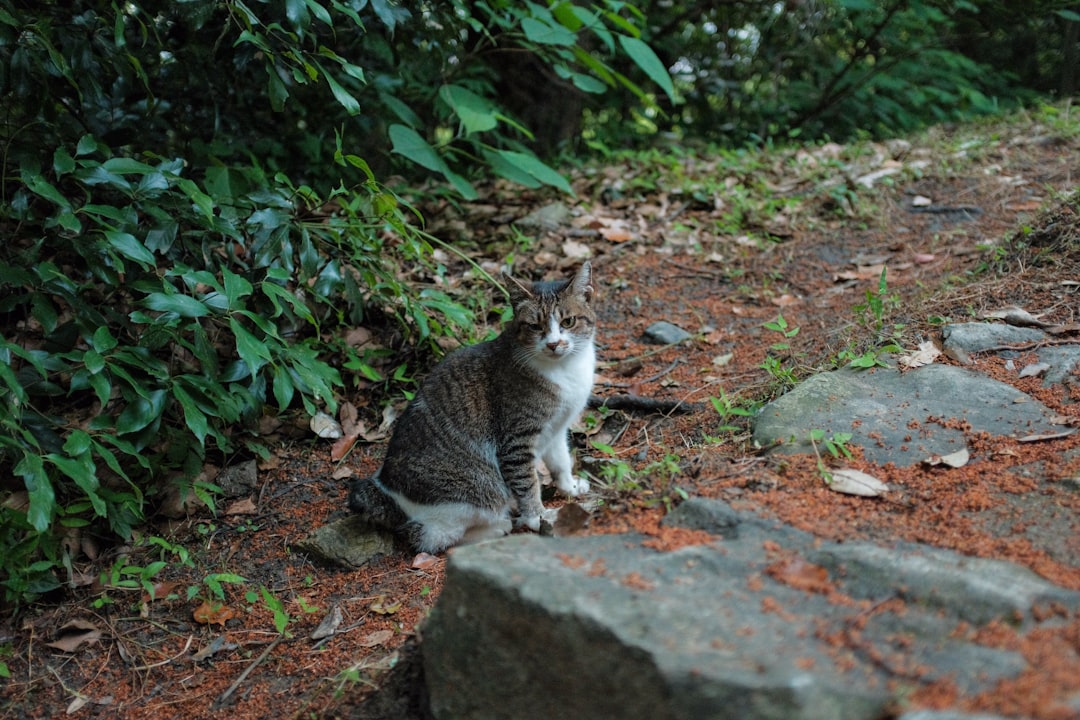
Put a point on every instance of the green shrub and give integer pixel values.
(189, 227)
(838, 69)
(155, 319)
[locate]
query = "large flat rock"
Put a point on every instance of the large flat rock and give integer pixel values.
(759, 625)
(900, 417)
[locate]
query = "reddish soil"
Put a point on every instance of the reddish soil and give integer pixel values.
(660, 252)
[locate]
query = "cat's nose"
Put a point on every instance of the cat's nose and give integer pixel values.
(555, 345)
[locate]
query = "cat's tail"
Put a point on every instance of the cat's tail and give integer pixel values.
(368, 499)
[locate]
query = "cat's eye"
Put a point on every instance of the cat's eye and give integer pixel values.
(569, 322)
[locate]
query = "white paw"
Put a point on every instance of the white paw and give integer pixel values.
(574, 486)
(531, 522)
(550, 515)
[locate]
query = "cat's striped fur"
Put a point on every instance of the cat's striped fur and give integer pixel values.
(461, 463)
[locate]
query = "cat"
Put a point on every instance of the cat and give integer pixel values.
(461, 463)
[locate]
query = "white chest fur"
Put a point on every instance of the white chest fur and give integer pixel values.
(573, 375)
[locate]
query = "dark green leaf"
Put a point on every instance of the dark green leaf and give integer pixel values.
(283, 388)
(141, 412)
(182, 305)
(647, 60)
(193, 415)
(42, 187)
(63, 163)
(103, 340)
(347, 101)
(82, 471)
(477, 114)
(93, 360)
(236, 287)
(547, 34)
(253, 352)
(126, 166)
(40, 490)
(87, 145)
(536, 168)
(408, 142)
(129, 246)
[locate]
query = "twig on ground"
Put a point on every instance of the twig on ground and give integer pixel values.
(638, 403)
(224, 697)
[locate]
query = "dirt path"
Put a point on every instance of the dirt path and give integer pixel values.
(719, 246)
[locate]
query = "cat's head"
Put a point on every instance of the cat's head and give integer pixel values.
(553, 320)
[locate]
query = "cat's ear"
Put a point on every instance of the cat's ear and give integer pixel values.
(581, 284)
(518, 290)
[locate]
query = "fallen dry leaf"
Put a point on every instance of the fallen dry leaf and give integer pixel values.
(1015, 316)
(424, 561)
(74, 634)
(329, 624)
(343, 445)
(378, 637)
(722, 360)
(856, 482)
(954, 459)
(576, 250)
(213, 613)
(216, 645)
(243, 506)
(1034, 370)
(271, 463)
(347, 416)
(615, 234)
(160, 590)
(342, 472)
(358, 336)
(785, 300)
(927, 353)
(1045, 436)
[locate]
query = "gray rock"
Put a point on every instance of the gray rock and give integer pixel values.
(549, 217)
(973, 589)
(946, 715)
(238, 480)
(350, 542)
(601, 627)
(712, 516)
(588, 628)
(889, 413)
(978, 337)
(665, 333)
(1062, 361)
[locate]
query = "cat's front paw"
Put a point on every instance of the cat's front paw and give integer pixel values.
(532, 522)
(573, 486)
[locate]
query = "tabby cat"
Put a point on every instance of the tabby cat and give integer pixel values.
(461, 463)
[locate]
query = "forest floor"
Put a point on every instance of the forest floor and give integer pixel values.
(967, 220)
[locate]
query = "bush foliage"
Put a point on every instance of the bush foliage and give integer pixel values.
(762, 70)
(193, 219)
